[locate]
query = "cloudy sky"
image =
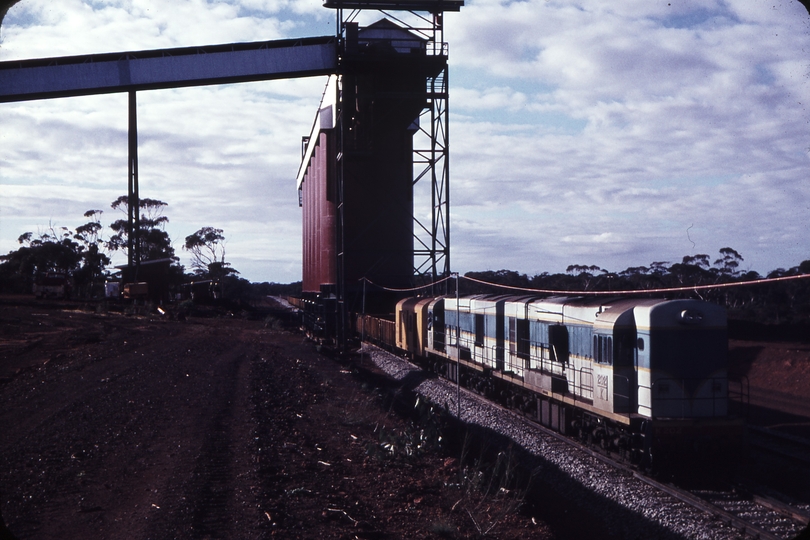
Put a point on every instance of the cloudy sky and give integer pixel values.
(600, 133)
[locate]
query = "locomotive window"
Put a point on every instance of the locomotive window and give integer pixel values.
(479, 329)
(512, 336)
(523, 338)
(558, 341)
(603, 349)
(640, 344)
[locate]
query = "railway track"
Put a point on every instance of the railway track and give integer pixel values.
(796, 449)
(753, 515)
(741, 512)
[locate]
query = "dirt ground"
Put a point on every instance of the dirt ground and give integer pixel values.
(117, 424)
(129, 426)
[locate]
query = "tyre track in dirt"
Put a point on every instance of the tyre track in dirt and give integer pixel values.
(210, 495)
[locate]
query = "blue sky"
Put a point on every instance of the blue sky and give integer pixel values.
(608, 134)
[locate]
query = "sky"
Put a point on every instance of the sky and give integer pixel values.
(613, 134)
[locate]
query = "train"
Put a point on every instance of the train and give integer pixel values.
(645, 380)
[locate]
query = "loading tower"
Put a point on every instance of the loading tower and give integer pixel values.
(374, 178)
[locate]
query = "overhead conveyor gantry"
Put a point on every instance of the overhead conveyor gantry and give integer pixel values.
(44, 78)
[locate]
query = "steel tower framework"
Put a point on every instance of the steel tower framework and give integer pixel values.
(431, 180)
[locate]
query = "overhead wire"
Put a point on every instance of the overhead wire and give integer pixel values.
(689, 288)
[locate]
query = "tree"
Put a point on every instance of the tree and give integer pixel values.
(658, 268)
(154, 240)
(52, 251)
(692, 270)
(94, 261)
(583, 273)
(729, 262)
(207, 248)
(701, 260)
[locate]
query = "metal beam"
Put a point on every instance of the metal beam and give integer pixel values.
(432, 6)
(22, 80)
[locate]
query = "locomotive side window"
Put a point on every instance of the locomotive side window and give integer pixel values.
(512, 336)
(603, 349)
(558, 342)
(640, 344)
(479, 329)
(523, 339)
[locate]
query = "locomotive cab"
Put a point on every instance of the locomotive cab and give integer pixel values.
(412, 316)
(615, 358)
(683, 385)
(435, 325)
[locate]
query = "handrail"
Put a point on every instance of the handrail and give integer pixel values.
(743, 396)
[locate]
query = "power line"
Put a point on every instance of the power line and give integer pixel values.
(763, 281)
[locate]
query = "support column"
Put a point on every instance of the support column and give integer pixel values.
(133, 199)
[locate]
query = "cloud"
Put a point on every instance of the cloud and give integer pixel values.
(691, 115)
(613, 134)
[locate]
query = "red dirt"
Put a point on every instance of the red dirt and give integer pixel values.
(128, 426)
(778, 374)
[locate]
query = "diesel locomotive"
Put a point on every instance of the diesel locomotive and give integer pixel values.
(643, 379)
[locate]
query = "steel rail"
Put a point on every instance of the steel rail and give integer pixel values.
(782, 507)
(801, 455)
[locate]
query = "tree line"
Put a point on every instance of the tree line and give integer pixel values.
(779, 302)
(84, 254)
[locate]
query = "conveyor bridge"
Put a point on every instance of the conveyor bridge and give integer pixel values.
(44, 78)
